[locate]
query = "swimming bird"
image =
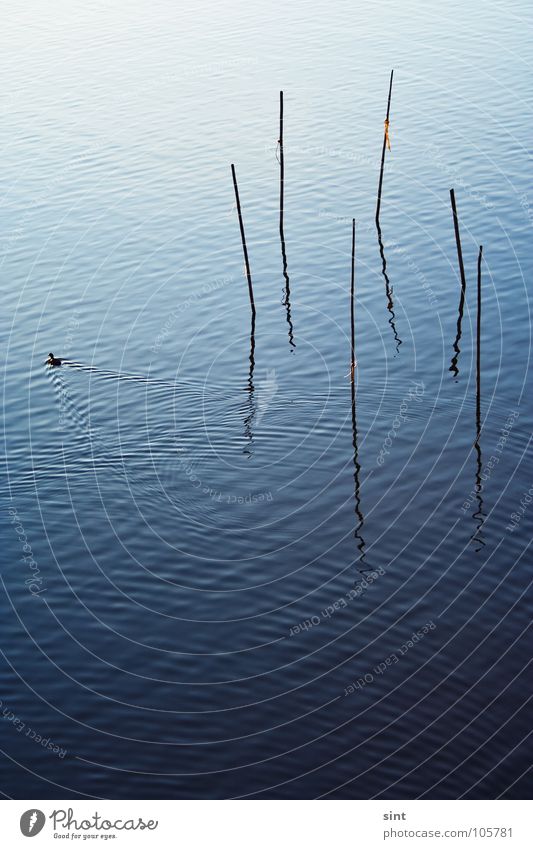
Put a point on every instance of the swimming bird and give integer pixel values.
(53, 361)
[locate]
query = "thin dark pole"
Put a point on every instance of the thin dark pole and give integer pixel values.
(352, 300)
(281, 167)
(478, 346)
(388, 287)
(243, 239)
(385, 141)
(458, 241)
(453, 366)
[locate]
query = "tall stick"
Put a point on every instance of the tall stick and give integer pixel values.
(243, 239)
(352, 300)
(281, 167)
(388, 287)
(385, 140)
(478, 346)
(458, 239)
(453, 366)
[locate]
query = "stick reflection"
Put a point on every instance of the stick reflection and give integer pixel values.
(478, 515)
(453, 367)
(250, 389)
(356, 476)
(287, 292)
(388, 289)
(357, 466)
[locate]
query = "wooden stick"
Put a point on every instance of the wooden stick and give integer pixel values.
(458, 241)
(281, 167)
(385, 134)
(478, 346)
(243, 239)
(352, 299)
(388, 287)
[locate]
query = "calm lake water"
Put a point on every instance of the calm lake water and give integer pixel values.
(226, 559)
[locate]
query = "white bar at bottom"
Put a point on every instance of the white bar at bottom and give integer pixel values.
(268, 824)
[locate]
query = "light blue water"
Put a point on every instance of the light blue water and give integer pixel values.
(183, 517)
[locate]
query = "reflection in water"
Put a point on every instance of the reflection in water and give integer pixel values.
(357, 467)
(357, 485)
(67, 408)
(250, 388)
(478, 516)
(287, 293)
(388, 287)
(106, 374)
(453, 366)
(69, 411)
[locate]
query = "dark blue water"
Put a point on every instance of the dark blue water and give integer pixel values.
(228, 554)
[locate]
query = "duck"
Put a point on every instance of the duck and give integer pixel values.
(53, 361)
